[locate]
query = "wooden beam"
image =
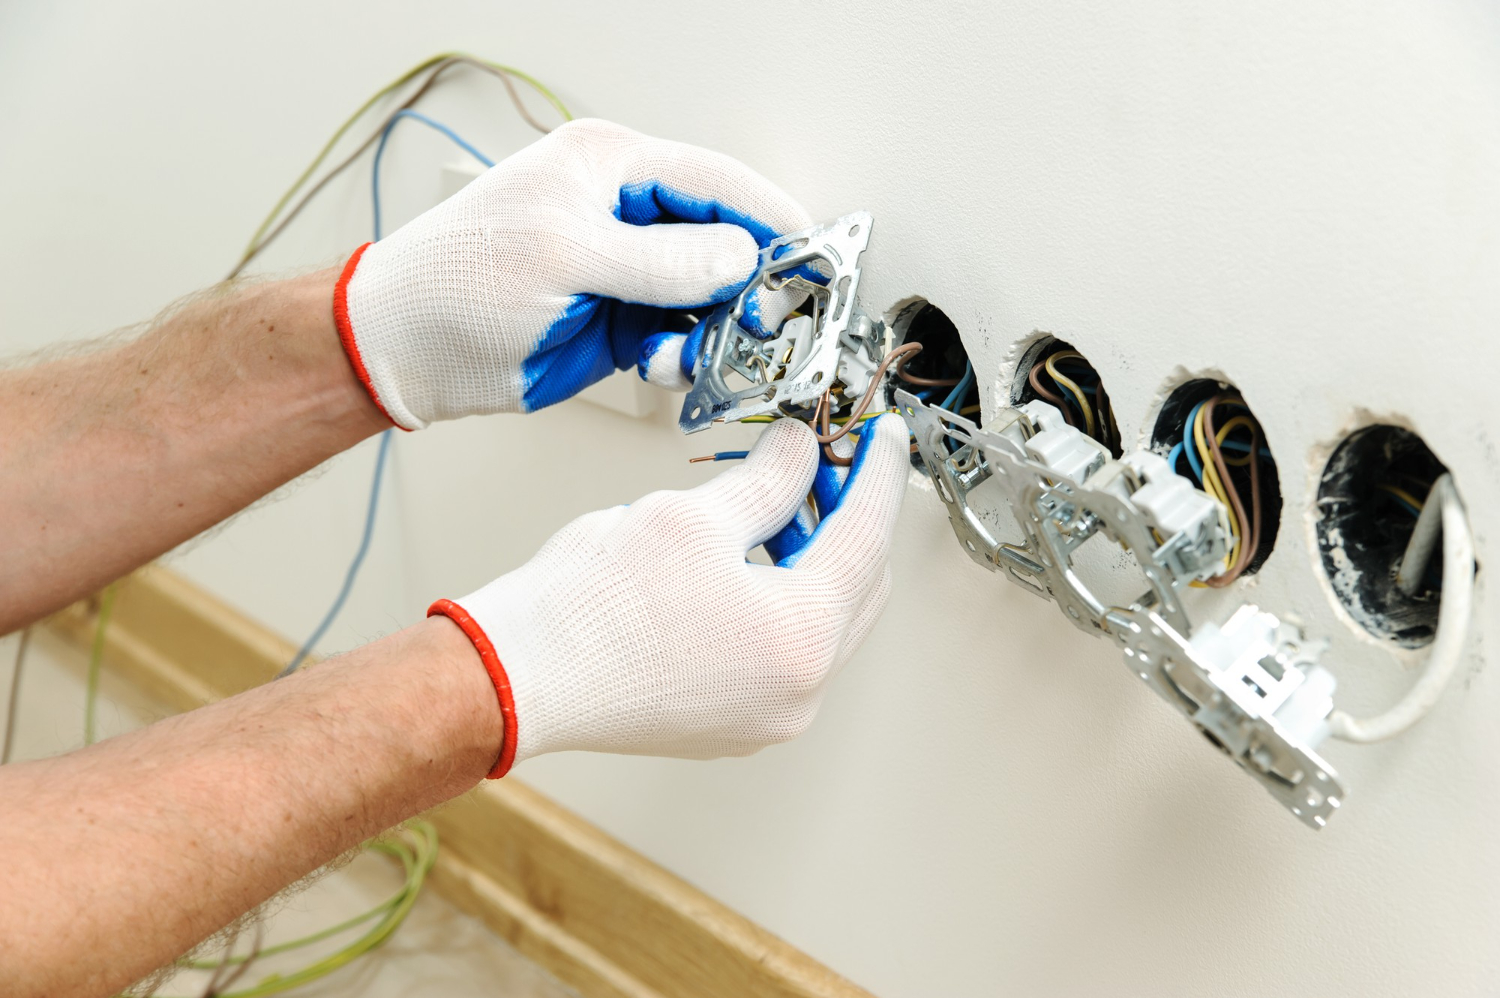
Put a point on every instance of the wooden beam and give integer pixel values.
(604, 919)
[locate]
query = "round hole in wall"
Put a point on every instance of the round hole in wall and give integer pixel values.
(1370, 497)
(1053, 371)
(1216, 413)
(941, 373)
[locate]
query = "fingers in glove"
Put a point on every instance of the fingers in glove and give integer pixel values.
(591, 337)
(794, 536)
(759, 496)
(766, 310)
(676, 266)
(827, 485)
(850, 546)
(667, 359)
(665, 181)
(864, 621)
(676, 182)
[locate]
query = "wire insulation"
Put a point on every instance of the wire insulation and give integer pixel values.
(1454, 616)
(354, 566)
(385, 440)
(12, 704)
(385, 135)
(266, 233)
(96, 663)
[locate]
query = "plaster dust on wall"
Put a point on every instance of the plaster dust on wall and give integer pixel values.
(1300, 200)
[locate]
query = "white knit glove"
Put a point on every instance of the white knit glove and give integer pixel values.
(643, 629)
(550, 270)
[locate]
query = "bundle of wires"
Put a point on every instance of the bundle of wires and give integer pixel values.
(1225, 461)
(1068, 381)
(430, 70)
(823, 420)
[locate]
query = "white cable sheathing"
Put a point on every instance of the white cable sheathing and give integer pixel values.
(1447, 644)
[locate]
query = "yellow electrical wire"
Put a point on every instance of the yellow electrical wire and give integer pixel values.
(1214, 487)
(416, 846)
(1403, 495)
(1071, 386)
(253, 245)
(1223, 434)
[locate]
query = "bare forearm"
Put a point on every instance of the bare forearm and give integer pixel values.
(177, 829)
(118, 455)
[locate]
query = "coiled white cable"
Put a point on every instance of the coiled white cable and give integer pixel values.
(1452, 630)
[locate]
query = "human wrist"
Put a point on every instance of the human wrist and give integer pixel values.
(500, 685)
(306, 302)
(473, 729)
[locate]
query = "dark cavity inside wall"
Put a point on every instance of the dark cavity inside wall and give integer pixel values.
(1169, 431)
(1363, 528)
(943, 355)
(1035, 359)
(943, 358)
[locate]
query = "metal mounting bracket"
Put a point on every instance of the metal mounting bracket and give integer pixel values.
(1063, 488)
(739, 375)
(1251, 684)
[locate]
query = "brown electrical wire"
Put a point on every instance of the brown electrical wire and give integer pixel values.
(1047, 396)
(825, 404)
(416, 95)
(218, 984)
(913, 379)
(821, 419)
(1249, 524)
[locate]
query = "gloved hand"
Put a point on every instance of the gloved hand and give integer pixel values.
(547, 273)
(643, 629)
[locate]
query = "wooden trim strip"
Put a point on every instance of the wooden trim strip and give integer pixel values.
(604, 919)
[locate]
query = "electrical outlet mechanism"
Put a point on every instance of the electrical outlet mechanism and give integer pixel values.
(1252, 683)
(832, 347)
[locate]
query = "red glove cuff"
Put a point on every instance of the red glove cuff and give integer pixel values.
(346, 331)
(481, 641)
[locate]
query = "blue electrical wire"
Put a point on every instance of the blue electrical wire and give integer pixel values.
(1174, 455)
(1242, 447)
(1414, 511)
(354, 566)
(385, 134)
(1190, 448)
(961, 389)
(385, 438)
(1183, 447)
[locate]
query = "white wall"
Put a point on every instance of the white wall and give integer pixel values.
(1300, 196)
